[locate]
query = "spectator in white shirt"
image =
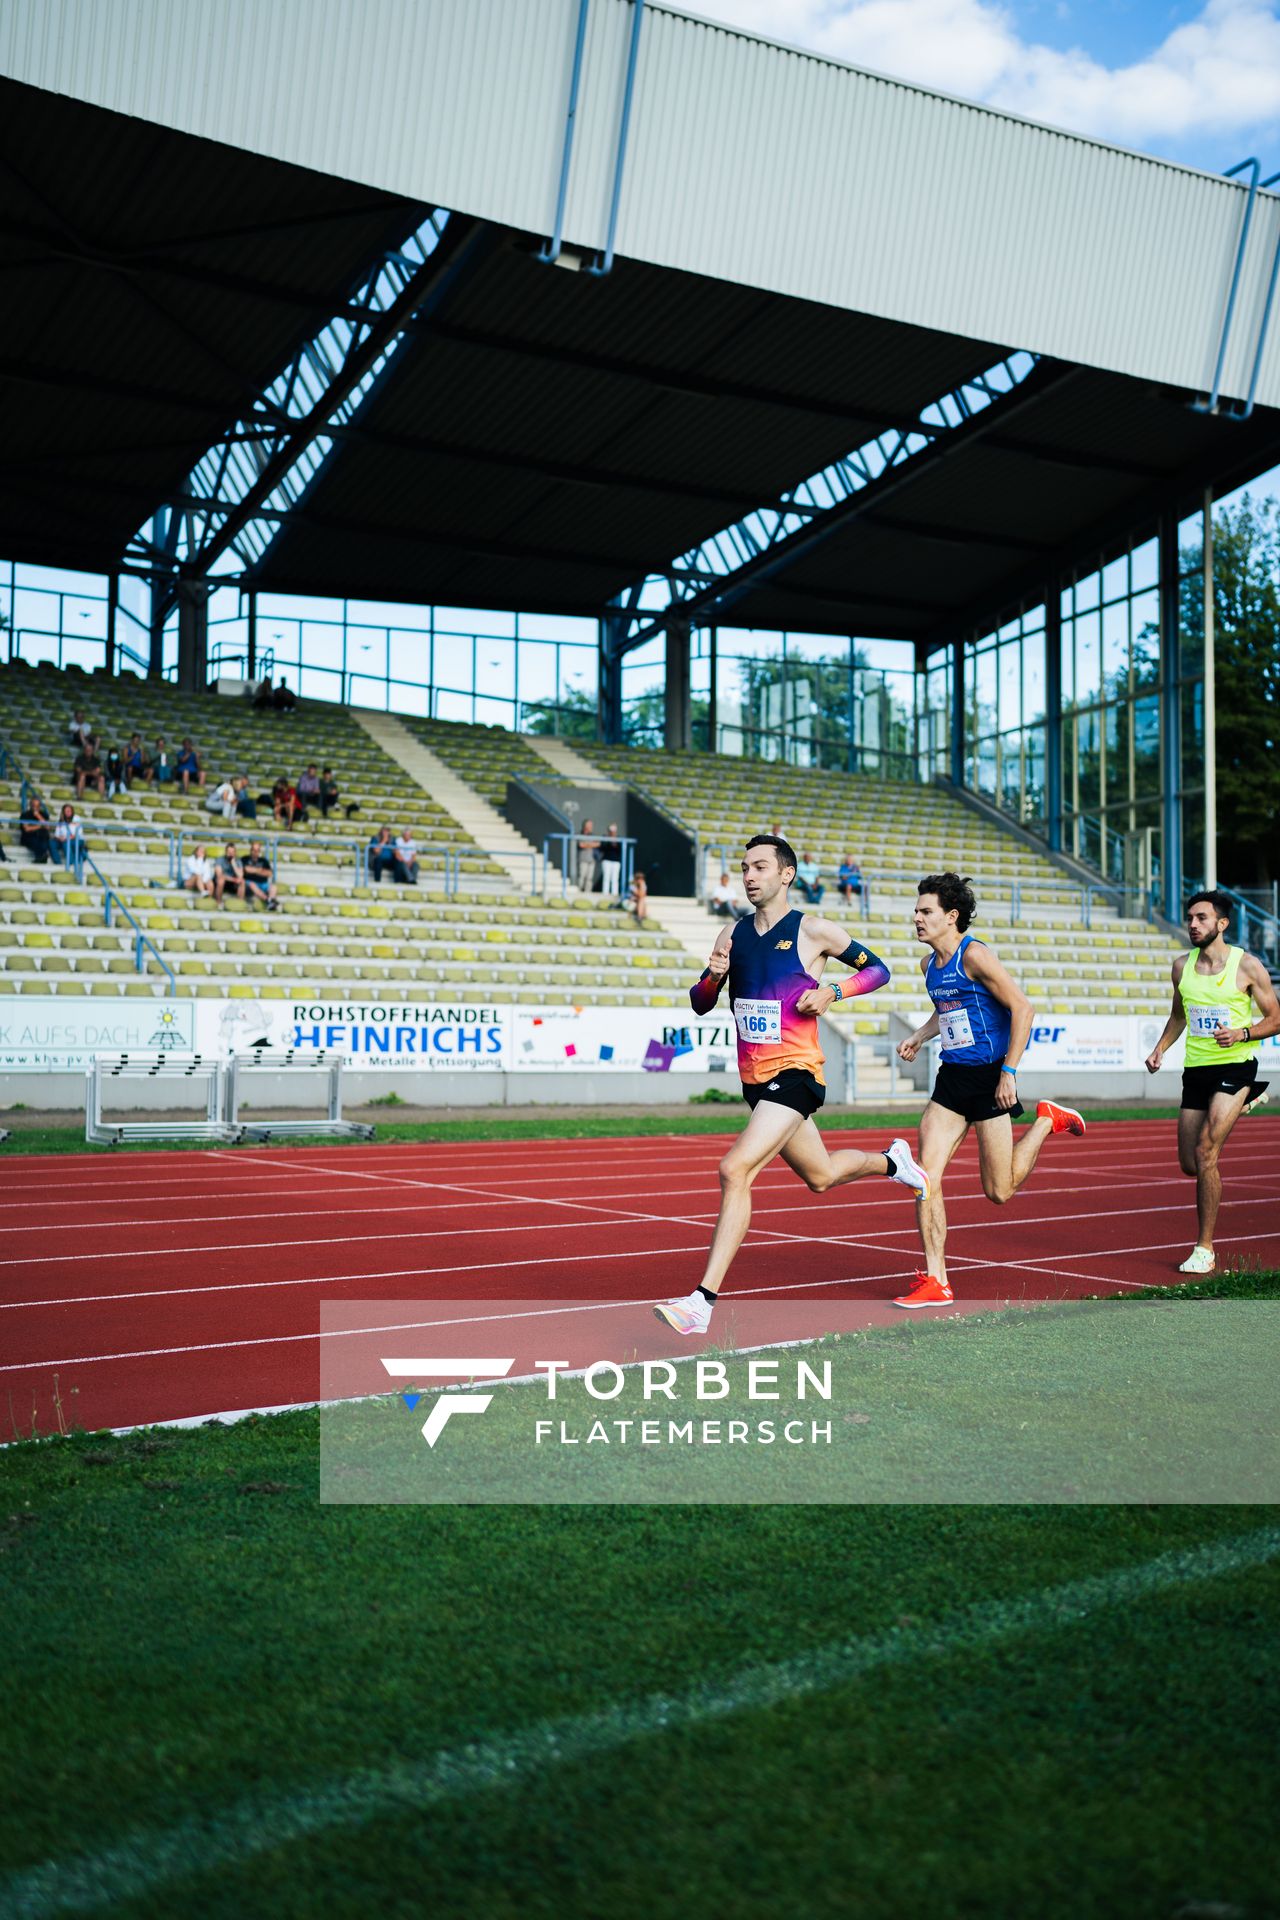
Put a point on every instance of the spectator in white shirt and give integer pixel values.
(407, 858)
(724, 901)
(198, 872)
(223, 799)
(79, 730)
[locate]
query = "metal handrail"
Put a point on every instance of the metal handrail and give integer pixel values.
(141, 939)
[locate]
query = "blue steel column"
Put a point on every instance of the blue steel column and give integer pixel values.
(609, 678)
(957, 711)
(1170, 722)
(1053, 713)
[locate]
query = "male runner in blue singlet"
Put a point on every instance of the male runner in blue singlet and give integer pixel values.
(983, 1019)
(772, 963)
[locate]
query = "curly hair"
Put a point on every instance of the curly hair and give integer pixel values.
(953, 894)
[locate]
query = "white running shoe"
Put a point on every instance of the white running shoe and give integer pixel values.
(907, 1170)
(1199, 1260)
(690, 1314)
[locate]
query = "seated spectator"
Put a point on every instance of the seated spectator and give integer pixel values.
(259, 883)
(34, 831)
(309, 789)
(188, 767)
(197, 872)
(137, 762)
(115, 772)
(284, 699)
(329, 795)
(79, 731)
(246, 805)
(380, 855)
(87, 771)
(850, 879)
(724, 901)
(68, 838)
(285, 804)
(162, 761)
(228, 874)
(406, 858)
(809, 879)
(638, 897)
(262, 695)
(222, 799)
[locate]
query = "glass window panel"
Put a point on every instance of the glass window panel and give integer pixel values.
(1191, 623)
(1146, 640)
(315, 683)
(35, 612)
(537, 664)
(1033, 619)
(297, 606)
(1087, 592)
(1193, 839)
(985, 773)
(61, 580)
(1115, 649)
(1033, 749)
(567, 628)
(1033, 676)
(86, 619)
(1066, 603)
(1115, 579)
(453, 667)
(388, 613)
(1146, 745)
(1115, 720)
(496, 668)
(366, 650)
(495, 713)
(1088, 659)
(404, 697)
(985, 692)
(577, 672)
(1068, 663)
(1088, 759)
(1010, 685)
(1192, 735)
(78, 652)
(450, 705)
(1011, 773)
(1144, 566)
(409, 656)
(35, 648)
(362, 690)
(476, 620)
(1011, 630)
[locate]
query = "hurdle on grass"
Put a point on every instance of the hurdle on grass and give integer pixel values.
(109, 1070)
(244, 1068)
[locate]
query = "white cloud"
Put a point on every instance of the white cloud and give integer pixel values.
(1218, 74)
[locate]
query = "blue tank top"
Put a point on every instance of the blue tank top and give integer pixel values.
(972, 1024)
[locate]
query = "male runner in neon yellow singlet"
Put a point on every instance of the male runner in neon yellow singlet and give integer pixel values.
(1225, 1000)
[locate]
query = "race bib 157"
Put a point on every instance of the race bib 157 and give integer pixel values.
(1205, 1021)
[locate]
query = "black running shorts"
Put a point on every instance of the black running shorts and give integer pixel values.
(971, 1092)
(1199, 1084)
(794, 1087)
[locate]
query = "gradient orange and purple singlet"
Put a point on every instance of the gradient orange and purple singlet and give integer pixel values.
(766, 979)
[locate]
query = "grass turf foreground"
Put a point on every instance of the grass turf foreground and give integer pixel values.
(225, 1699)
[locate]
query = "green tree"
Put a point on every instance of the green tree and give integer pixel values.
(573, 717)
(1246, 599)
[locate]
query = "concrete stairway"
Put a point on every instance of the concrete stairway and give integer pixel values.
(560, 755)
(496, 836)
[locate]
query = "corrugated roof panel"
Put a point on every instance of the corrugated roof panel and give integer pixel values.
(748, 162)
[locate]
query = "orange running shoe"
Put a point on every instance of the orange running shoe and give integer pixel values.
(927, 1292)
(1065, 1119)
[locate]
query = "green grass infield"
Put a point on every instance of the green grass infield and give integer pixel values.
(223, 1697)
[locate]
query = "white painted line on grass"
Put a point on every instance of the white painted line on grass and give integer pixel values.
(152, 1858)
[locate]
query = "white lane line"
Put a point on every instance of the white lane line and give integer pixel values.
(148, 1859)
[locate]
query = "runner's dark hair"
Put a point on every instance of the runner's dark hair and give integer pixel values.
(783, 848)
(952, 893)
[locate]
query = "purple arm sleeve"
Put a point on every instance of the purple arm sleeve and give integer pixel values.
(869, 971)
(704, 993)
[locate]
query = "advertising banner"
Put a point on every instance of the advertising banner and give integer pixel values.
(64, 1034)
(460, 1036)
(631, 1039)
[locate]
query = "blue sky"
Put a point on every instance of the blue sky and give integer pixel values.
(1197, 82)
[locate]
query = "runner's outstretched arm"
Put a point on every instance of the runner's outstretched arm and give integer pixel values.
(705, 991)
(868, 970)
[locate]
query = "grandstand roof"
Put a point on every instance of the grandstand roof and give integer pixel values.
(547, 438)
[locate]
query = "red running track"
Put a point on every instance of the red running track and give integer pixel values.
(160, 1287)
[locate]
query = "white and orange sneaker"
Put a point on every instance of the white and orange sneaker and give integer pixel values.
(928, 1291)
(690, 1314)
(1065, 1119)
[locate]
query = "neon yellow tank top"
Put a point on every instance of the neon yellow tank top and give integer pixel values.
(1210, 1001)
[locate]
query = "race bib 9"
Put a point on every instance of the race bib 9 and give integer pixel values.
(1206, 1021)
(759, 1021)
(955, 1029)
